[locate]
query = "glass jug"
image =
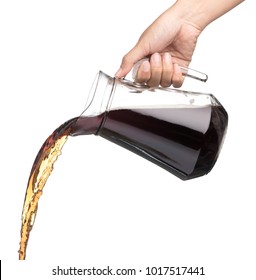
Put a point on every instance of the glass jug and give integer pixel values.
(179, 131)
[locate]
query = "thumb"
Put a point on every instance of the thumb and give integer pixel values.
(128, 61)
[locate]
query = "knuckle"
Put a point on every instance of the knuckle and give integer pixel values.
(153, 83)
(126, 59)
(166, 84)
(178, 82)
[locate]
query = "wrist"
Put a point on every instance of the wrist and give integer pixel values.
(194, 12)
(200, 13)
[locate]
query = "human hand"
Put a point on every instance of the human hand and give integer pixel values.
(169, 42)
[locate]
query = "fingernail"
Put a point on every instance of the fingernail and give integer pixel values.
(146, 66)
(167, 57)
(119, 73)
(156, 58)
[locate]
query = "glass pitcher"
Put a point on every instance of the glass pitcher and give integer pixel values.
(180, 131)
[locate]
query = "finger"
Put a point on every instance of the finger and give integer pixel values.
(177, 78)
(128, 61)
(156, 70)
(143, 73)
(167, 72)
(136, 67)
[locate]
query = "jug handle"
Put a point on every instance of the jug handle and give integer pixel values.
(188, 72)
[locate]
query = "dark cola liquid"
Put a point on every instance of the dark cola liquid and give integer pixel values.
(184, 141)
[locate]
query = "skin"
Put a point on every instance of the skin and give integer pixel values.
(170, 41)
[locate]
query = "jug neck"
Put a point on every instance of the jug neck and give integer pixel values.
(94, 114)
(99, 96)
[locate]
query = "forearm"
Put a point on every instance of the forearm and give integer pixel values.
(203, 12)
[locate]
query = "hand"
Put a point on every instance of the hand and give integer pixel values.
(169, 42)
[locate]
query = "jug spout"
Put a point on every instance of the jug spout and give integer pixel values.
(91, 119)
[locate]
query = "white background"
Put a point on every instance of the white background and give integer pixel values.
(104, 205)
